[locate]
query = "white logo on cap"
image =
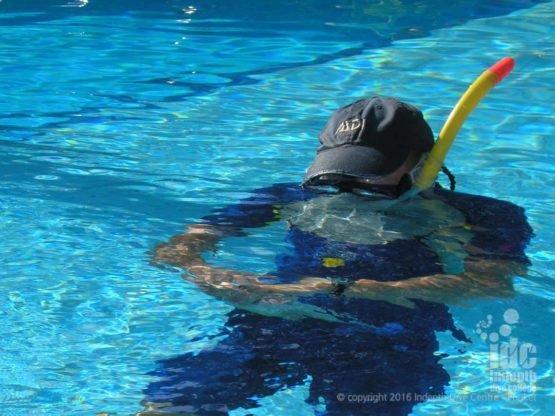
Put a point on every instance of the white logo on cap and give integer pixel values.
(349, 125)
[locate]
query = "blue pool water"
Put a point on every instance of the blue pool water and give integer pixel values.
(121, 122)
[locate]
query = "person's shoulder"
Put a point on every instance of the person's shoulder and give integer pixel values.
(479, 209)
(462, 198)
(283, 192)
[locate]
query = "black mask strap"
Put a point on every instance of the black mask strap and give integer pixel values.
(452, 181)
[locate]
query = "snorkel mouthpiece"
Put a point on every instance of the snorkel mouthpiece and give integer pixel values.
(470, 99)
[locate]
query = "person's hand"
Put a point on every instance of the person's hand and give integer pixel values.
(234, 287)
(248, 292)
(241, 288)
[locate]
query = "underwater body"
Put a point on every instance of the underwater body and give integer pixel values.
(350, 349)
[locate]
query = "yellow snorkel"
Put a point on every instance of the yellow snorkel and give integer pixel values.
(479, 88)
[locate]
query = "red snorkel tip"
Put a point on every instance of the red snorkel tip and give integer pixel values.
(502, 68)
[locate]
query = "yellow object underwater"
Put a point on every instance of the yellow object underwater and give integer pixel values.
(470, 99)
(332, 262)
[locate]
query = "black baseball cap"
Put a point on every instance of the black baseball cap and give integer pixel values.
(370, 138)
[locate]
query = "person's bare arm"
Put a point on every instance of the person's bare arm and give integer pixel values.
(240, 288)
(482, 278)
(185, 250)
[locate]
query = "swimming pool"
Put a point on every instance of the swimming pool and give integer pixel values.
(122, 122)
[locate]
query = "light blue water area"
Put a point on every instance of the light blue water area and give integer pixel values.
(120, 124)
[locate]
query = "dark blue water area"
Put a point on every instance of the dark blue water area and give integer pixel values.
(344, 18)
(362, 24)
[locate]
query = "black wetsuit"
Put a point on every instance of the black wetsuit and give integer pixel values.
(389, 351)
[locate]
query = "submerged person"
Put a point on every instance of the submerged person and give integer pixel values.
(353, 308)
